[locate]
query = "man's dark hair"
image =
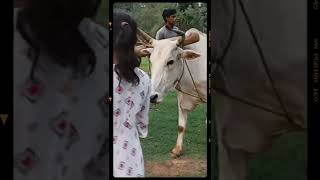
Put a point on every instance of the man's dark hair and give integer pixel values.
(124, 34)
(168, 12)
(52, 27)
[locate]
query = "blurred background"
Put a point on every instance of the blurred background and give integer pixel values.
(149, 15)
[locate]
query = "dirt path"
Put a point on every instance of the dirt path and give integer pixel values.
(187, 167)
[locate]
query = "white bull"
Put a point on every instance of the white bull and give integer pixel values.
(181, 68)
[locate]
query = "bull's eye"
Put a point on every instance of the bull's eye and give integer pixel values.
(170, 62)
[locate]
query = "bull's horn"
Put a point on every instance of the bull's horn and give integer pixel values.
(181, 38)
(193, 37)
(144, 36)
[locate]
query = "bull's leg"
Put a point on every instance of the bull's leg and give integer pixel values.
(183, 115)
(185, 105)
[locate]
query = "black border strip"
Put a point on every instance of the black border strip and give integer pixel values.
(209, 120)
(313, 90)
(6, 95)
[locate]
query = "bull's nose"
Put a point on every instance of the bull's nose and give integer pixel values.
(153, 98)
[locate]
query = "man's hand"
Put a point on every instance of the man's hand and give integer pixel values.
(141, 50)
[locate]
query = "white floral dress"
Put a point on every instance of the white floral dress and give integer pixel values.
(130, 121)
(61, 121)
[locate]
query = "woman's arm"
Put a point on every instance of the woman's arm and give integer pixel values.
(143, 115)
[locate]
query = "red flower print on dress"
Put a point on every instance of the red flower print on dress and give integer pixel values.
(125, 145)
(142, 125)
(142, 94)
(133, 151)
(129, 171)
(62, 127)
(128, 101)
(26, 160)
(121, 165)
(33, 90)
(119, 89)
(59, 124)
(127, 124)
(140, 116)
(117, 112)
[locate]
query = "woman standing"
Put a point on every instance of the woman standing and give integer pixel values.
(131, 100)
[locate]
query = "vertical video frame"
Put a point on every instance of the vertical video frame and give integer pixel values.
(160, 89)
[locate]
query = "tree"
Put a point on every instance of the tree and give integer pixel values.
(149, 15)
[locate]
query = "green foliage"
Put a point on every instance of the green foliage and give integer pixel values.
(149, 15)
(193, 17)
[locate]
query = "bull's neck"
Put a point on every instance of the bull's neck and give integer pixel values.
(186, 84)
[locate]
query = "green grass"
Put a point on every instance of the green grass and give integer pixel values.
(163, 131)
(144, 64)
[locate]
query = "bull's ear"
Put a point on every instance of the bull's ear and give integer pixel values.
(190, 55)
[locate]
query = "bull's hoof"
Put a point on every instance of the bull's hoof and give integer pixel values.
(175, 156)
(176, 152)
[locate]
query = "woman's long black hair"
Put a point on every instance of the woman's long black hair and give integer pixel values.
(124, 40)
(52, 26)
